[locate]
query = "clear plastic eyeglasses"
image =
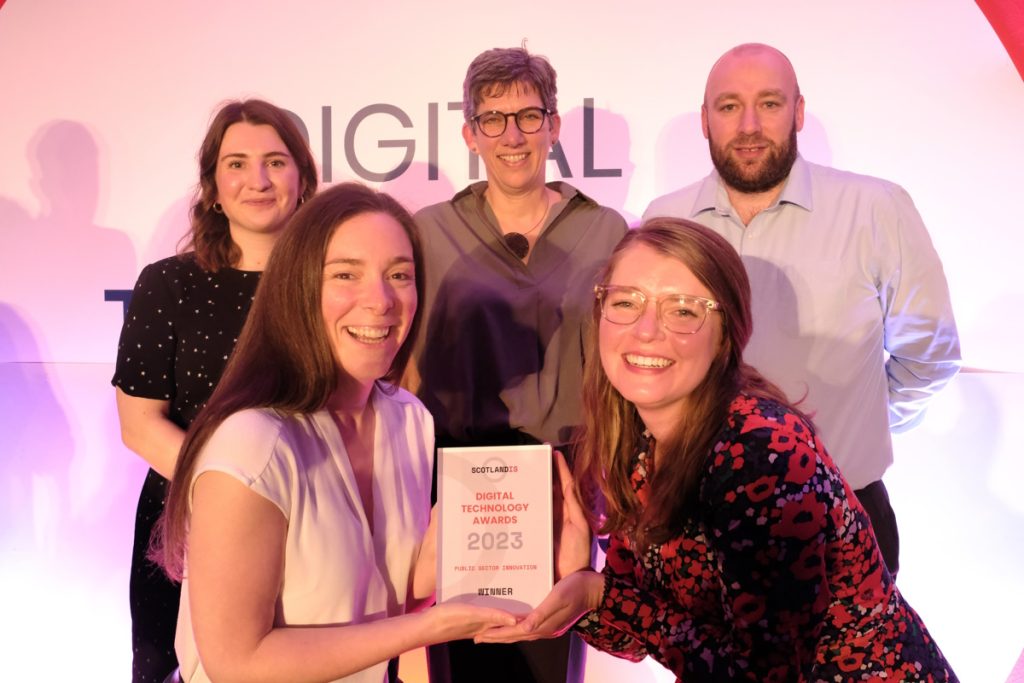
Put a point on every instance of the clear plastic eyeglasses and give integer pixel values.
(493, 123)
(679, 313)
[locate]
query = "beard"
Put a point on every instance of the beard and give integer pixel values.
(753, 179)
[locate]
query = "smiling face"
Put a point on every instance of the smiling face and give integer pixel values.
(257, 179)
(653, 368)
(515, 161)
(369, 296)
(751, 114)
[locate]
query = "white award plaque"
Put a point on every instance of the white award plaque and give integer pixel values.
(495, 525)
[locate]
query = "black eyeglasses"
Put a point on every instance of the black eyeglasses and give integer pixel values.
(528, 120)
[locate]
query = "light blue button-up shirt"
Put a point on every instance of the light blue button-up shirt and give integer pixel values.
(852, 317)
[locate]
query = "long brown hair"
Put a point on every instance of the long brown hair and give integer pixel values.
(612, 428)
(284, 358)
(209, 236)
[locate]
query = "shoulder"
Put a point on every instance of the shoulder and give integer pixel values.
(765, 450)
(572, 193)
(248, 430)
(261, 449)
(761, 415)
(431, 214)
(583, 207)
(834, 179)
(172, 265)
(262, 442)
(676, 203)
(440, 212)
(170, 273)
(764, 434)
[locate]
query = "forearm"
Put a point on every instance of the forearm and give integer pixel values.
(610, 626)
(628, 633)
(911, 386)
(159, 448)
(298, 654)
(149, 433)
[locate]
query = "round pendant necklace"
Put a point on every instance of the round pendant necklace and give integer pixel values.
(517, 241)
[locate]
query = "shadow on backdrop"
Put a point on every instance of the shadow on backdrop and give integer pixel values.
(414, 189)
(37, 451)
(58, 264)
(596, 143)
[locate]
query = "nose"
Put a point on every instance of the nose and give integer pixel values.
(512, 135)
(379, 297)
(258, 177)
(647, 326)
(750, 122)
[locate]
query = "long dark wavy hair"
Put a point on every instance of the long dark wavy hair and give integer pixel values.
(612, 428)
(284, 359)
(209, 237)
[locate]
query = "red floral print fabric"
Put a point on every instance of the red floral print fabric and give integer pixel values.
(776, 577)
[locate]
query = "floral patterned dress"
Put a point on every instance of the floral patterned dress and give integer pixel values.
(777, 577)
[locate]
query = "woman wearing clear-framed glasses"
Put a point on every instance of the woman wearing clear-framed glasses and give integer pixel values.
(738, 551)
(510, 265)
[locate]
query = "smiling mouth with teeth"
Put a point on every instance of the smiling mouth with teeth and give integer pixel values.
(369, 335)
(648, 361)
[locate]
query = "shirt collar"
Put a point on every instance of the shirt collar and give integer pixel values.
(712, 195)
(567, 191)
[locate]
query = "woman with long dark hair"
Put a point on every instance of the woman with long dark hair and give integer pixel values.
(186, 312)
(298, 515)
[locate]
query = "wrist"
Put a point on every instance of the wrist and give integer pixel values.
(597, 587)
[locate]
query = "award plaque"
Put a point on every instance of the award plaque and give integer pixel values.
(495, 526)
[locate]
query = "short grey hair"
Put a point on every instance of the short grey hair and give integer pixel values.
(495, 71)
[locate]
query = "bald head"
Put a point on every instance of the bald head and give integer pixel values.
(751, 114)
(750, 62)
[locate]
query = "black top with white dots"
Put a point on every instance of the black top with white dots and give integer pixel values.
(181, 326)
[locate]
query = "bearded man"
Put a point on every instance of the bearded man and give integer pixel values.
(852, 316)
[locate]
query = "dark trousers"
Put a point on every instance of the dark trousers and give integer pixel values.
(875, 500)
(560, 660)
(152, 596)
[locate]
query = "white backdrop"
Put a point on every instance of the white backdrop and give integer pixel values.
(104, 104)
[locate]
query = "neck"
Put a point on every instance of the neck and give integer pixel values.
(255, 247)
(749, 204)
(350, 401)
(522, 212)
(660, 423)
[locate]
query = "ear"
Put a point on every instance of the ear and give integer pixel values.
(799, 118)
(555, 127)
(469, 137)
(704, 120)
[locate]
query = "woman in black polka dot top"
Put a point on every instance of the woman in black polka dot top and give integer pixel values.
(186, 312)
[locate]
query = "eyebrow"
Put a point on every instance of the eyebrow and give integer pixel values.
(358, 262)
(769, 92)
(243, 155)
